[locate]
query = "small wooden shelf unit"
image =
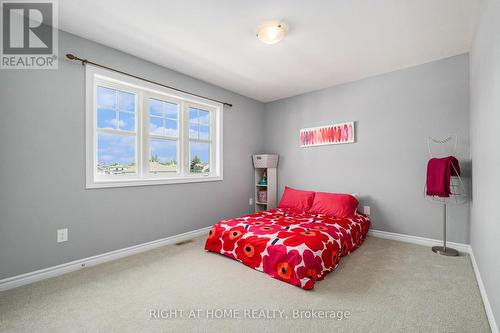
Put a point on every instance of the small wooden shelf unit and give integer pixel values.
(271, 188)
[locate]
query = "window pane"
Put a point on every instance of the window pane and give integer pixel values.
(193, 115)
(126, 101)
(156, 126)
(106, 118)
(115, 154)
(155, 107)
(199, 116)
(163, 156)
(193, 131)
(106, 98)
(171, 127)
(204, 132)
(204, 117)
(199, 157)
(127, 121)
(171, 110)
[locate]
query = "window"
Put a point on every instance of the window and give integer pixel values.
(115, 131)
(140, 133)
(163, 136)
(199, 140)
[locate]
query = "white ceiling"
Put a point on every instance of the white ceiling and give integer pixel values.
(329, 41)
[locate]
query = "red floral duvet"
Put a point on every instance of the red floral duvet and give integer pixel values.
(292, 246)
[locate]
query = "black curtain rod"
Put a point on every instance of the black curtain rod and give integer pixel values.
(71, 56)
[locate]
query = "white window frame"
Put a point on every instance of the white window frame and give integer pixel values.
(144, 90)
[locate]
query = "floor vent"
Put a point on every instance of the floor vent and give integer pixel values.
(184, 242)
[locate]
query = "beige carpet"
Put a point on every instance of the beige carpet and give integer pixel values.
(386, 286)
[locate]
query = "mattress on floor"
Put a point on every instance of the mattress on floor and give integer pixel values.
(292, 246)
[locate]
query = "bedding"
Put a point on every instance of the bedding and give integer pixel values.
(290, 245)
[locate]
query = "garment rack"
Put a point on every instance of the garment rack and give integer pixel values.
(457, 188)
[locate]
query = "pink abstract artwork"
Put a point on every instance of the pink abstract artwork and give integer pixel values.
(327, 135)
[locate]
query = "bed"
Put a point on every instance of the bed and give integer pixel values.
(290, 245)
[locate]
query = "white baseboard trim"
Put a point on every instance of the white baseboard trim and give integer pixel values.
(417, 240)
(42, 274)
(458, 246)
(486, 302)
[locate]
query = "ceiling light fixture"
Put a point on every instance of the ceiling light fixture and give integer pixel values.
(271, 32)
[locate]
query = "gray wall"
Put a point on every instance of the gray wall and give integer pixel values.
(485, 128)
(394, 114)
(42, 160)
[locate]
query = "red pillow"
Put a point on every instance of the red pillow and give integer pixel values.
(297, 199)
(334, 204)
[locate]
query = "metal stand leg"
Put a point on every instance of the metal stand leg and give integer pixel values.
(446, 251)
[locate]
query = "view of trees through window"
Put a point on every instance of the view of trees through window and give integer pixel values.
(199, 140)
(163, 156)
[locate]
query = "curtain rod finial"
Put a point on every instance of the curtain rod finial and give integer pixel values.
(70, 56)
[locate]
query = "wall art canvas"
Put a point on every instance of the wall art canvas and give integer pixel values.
(327, 135)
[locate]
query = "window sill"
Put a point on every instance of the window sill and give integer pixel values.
(147, 182)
